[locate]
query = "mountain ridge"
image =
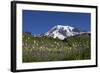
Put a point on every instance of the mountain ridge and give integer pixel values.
(61, 32)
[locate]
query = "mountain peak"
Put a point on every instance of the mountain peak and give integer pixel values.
(62, 31)
(59, 26)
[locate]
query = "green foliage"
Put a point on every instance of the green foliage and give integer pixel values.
(38, 49)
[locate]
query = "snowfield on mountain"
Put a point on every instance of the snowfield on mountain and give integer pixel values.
(61, 32)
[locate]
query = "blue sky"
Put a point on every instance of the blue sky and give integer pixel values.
(38, 22)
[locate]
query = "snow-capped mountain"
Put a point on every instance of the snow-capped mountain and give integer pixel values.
(61, 32)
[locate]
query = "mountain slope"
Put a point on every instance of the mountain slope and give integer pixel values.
(61, 32)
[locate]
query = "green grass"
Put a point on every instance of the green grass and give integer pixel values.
(40, 49)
